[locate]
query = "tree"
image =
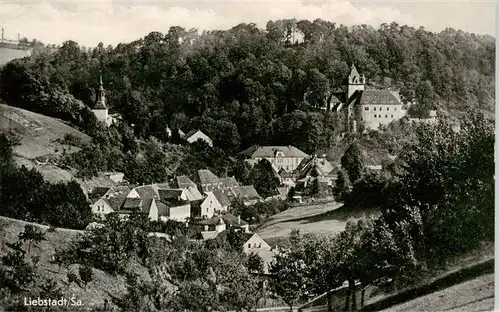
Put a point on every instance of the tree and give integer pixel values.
(321, 256)
(342, 187)
(17, 275)
(264, 179)
(291, 193)
(352, 162)
(33, 235)
(255, 263)
(288, 279)
(86, 274)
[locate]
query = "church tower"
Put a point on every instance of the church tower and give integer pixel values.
(100, 110)
(354, 82)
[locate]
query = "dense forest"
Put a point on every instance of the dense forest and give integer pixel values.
(247, 85)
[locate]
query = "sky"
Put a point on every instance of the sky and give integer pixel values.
(89, 22)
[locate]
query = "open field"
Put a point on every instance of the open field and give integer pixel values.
(101, 287)
(320, 218)
(474, 295)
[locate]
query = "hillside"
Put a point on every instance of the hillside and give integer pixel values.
(474, 295)
(38, 147)
(97, 290)
(245, 85)
(38, 132)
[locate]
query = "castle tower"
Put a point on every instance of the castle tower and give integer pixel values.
(355, 82)
(100, 110)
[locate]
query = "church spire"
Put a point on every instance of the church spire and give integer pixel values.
(101, 94)
(101, 87)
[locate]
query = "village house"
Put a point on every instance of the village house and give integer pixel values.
(209, 206)
(229, 221)
(245, 193)
(254, 243)
(211, 230)
(116, 177)
(316, 168)
(287, 178)
(138, 205)
(179, 131)
(192, 192)
(207, 180)
(177, 206)
(107, 192)
(195, 135)
(104, 206)
(225, 184)
(148, 191)
(217, 226)
(281, 157)
(223, 200)
(366, 108)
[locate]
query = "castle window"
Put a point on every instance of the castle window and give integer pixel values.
(395, 108)
(361, 118)
(375, 115)
(385, 116)
(366, 108)
(387, 108)
(392, 116)
(379, 116)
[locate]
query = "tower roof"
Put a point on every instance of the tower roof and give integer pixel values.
(100, 102)
(352, 75)
(101, 86)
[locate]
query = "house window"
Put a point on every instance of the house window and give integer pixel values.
(254, 245)
(249, 245)
(387, 108)
(385, 116)
(379, 116)
(392, 116)
(260, 245)
(375, 115)
(361, 118)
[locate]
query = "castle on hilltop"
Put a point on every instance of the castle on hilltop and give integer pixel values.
(366, 108)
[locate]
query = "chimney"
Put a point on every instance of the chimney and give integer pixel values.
(239, 219)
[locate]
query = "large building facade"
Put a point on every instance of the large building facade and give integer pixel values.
(285, 158)
(368, 109)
